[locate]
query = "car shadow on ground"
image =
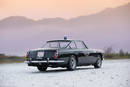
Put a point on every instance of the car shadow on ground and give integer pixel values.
(63, 70)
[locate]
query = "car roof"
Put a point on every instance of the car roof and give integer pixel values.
(62, 40)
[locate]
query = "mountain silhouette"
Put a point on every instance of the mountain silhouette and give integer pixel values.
(109, 27)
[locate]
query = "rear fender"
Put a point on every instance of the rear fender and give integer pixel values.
(96, 54)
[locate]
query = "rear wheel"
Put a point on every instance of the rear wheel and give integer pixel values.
(42, 68)
(72, 63)
(98, 63)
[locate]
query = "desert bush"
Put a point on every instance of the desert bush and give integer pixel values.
(110, 54)
(10, 59)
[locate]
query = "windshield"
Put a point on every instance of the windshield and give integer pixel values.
(56, 45)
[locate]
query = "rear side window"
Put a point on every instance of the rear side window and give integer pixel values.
(72, 45)
(80, 45)
(63, 44)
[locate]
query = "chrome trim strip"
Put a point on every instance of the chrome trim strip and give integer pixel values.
(26, 61)
(57, 61)
(50, 61)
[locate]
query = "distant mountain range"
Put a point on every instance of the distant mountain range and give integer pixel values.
(111, 27)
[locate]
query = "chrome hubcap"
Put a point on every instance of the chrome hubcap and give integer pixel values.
(73, 63)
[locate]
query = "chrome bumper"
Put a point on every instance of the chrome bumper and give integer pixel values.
(50, 61)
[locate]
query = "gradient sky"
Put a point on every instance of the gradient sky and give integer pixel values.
(38, 9)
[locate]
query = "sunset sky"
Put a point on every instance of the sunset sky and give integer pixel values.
(38, 9)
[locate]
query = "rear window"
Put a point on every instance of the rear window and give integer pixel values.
(56, 45)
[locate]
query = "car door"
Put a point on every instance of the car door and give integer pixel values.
(83, 58)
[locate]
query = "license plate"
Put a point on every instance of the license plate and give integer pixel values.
(40, 55)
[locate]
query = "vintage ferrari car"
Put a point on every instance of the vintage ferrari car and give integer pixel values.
(64, 53)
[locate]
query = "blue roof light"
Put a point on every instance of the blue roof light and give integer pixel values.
(65, 37)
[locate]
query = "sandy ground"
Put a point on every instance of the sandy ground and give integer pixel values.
(114, 73)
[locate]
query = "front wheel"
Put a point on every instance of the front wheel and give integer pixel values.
(42, 68)
(98, 63)
(72, 63)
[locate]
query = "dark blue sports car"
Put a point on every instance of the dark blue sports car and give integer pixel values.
(64, 53)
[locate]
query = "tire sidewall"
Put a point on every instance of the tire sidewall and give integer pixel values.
(42, 68)
(72, 63)
(98, 63)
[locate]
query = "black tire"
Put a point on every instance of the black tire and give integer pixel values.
(72, 63)
(98, 63)
(42, 68)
